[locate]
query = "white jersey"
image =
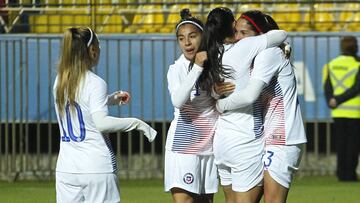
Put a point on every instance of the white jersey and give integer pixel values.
(193, 127)
(83, 148)
(283, 124)
(242, 124)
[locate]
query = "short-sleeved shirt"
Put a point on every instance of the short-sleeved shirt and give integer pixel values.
(83, 148)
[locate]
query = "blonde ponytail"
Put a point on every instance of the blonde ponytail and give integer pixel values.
(73, 64)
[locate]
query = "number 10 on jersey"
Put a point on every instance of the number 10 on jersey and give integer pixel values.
(69, 134)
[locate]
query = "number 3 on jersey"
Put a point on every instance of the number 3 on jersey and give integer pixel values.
(268, 155)
(69, 134)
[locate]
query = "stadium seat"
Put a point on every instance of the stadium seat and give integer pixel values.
(52, 2)
(350, 17)
(106, 6)
(47, 23)
(287, 16)
(324, 22)
(27, 2)
(354, 24)
(111, 15)
(149, 22)
(50, 21)
(82, 20)
(305, 22)
(246, 7)
(54, 24)
(109, 24)
(39, 24)
(132, 16)
(209, 7)
(324, 19)
(74, 2)
(174, 16)
(67, 20)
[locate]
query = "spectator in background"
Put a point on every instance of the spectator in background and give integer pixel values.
(341, 78)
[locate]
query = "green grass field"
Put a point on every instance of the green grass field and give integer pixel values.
(304, 190)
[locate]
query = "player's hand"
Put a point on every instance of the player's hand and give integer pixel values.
(286, 48)
(224, 88)
(332, 103)
(200, 58)
(122, 97)
(148, 131)
(217, 105)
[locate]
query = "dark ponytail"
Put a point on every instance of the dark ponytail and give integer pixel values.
(256, 20)
(219, 25)
(185, 13)
(272, 25)
(259, 22)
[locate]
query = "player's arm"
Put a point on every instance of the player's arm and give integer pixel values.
(242, 98)
(272, 38)
(247, 49)
(105, 124)
(266, 66)
(180, 90)
(328, 88)
(275, 38)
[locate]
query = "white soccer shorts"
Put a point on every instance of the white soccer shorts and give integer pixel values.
(282, 161)
(87, 188)
(194, 173)
(239, 165)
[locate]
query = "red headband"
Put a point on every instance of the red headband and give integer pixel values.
(252, 22)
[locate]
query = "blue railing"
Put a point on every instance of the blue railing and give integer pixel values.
(137, 63)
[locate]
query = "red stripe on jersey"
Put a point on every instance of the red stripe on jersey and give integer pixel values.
(198, 136)
(274, 122)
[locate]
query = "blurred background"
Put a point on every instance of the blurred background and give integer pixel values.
(137, 46)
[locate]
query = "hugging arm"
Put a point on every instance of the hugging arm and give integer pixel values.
(275, 37)
(180, 90)
(242, 98)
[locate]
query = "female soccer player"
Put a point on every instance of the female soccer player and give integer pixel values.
(190, 172)
(238, 143)
(86, 165)
(272, 78)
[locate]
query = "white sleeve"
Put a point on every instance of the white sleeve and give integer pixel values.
(98, 96)
(105, 123)
(275, 37)
(267, 64)
(246, 49)
(242, 98)
(180, 90)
